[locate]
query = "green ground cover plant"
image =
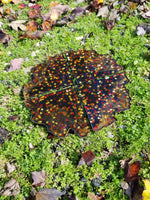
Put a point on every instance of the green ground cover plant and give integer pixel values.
(59, 157)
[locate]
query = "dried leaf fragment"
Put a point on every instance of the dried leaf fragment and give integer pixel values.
(109, 24)
(94, 197)
(38, 178)
(4, 38)
(47, 25)
(87, 158)
(48, 194)
(11, 188)
(55, 12)
(33, 14)
(103, 11)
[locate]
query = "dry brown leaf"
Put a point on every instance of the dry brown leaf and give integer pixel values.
(18, 24)
(4, 38)
(87, 158)
(39, 178)
(34, 35)
(33, 14)
(32, 26)
(11, 188)
(94, 197)
(109, 24)
(55, 12)
(47, 25)
(48, 194)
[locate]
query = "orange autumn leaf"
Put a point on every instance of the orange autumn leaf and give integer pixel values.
(46, 25)
(132, 171)
(32, 26)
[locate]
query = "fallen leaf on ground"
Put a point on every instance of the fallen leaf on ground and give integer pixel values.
(18, 24)
(48, 194)
(94, 197)
(38, 178)
(78, 11)
(3, 134)
(35, 35)
(4, 38)
(113, 15)
(109, 24)
(131, 171)
(87, 158)
(55, 12)
(47, 25)
(10, 167)
(33, 14)
(32, 32)
(134, 190)
(103, 11)
(32, 26)
(11, 188)
(15, 64)
(146, 192)
(17, 90)
(147, 14)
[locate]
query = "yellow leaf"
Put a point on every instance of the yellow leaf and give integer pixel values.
(100, 1)
(146, 192)
(5, 1)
